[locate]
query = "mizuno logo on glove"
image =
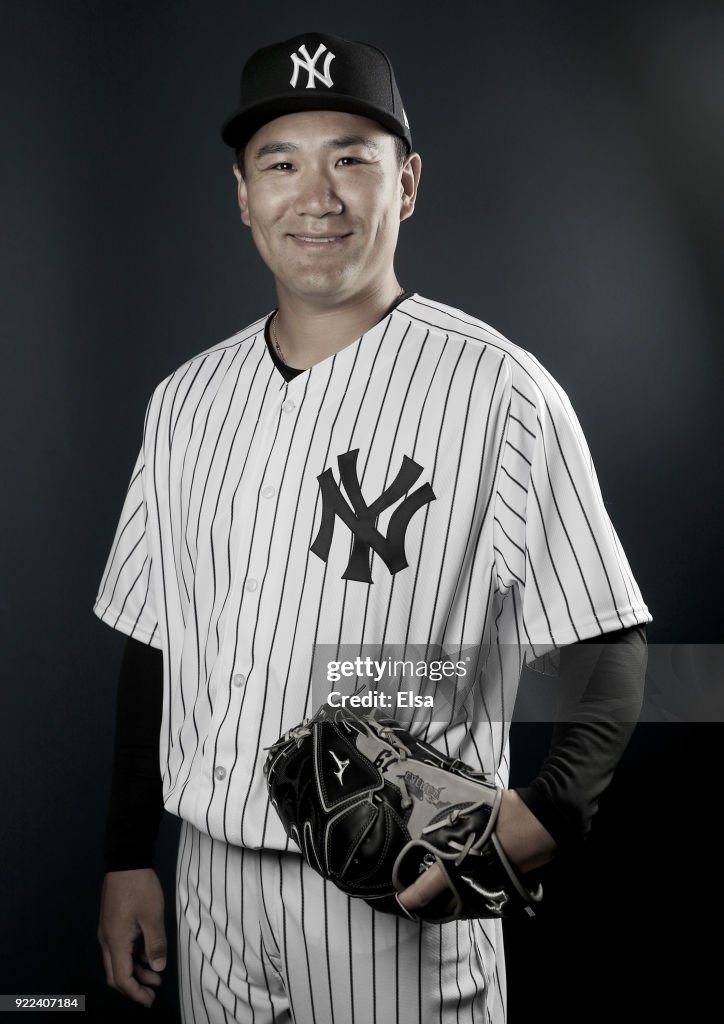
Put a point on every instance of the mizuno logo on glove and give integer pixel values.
(341, 765)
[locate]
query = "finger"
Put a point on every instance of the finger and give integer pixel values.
(122, 966)
(154, 944)
(108, 966)
(145, 976)
(424, 889)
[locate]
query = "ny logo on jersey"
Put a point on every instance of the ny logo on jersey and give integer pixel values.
(309, 64)
(361, 518)
(341, 765)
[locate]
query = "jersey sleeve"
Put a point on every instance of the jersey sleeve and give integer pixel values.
(125, 599)
(555, 546)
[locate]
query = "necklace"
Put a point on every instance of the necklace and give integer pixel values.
(277, 346)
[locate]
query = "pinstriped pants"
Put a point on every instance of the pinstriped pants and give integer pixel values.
(263, 938)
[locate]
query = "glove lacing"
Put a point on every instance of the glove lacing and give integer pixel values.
(388, 736)
(472, 844)
(298, 734)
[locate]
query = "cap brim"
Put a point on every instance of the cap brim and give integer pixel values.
(239, 128)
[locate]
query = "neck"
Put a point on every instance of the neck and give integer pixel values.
(308, 333)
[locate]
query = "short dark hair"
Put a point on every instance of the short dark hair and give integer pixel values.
(402, 151)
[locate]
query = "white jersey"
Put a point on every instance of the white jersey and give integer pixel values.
(427, 485)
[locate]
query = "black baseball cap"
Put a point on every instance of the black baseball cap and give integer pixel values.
(316, 72)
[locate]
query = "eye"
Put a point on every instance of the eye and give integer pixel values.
(346, 161)
(281, 166)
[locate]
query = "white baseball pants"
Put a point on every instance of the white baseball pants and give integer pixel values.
(263, 938)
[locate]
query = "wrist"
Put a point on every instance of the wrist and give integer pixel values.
(526, 843)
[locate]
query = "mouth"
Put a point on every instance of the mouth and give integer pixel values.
(319, 240)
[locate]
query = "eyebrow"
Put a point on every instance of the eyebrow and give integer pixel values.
(342, 142)
(275, 147)
(352, 140)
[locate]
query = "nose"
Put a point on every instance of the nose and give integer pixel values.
(316, 196)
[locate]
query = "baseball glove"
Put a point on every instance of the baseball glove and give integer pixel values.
(371, 807)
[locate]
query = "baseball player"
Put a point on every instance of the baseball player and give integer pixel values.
(362, 465)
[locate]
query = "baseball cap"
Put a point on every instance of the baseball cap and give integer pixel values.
(316, 72)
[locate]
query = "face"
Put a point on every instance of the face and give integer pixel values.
(324, 195)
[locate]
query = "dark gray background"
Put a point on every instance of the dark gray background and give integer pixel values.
(571, 197)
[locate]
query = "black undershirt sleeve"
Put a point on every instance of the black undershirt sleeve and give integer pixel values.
(600, 692)
(601, 683)
(136, 801)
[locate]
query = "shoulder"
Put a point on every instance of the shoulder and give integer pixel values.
(202, 368)
(226, 349)
(530, 385)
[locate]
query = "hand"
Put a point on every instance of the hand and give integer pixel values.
(523, 838)
(424, 889)
(131, 933)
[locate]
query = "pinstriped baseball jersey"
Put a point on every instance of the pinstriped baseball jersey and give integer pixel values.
(428, 484)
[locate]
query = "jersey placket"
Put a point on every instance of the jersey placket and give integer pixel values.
(236, 692)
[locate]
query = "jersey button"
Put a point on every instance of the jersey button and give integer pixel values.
(268, 491)
(239, 679)
(288, 406)
(220, 773)
(251, 584)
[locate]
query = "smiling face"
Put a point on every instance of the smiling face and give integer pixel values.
(324, 194)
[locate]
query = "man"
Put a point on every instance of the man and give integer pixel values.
(237, 556)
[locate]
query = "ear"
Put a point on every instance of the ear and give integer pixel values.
(241, 196)
(409, 184)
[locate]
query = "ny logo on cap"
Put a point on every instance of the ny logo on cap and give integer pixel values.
(309, 64)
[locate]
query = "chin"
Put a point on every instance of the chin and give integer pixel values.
(321, 285)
